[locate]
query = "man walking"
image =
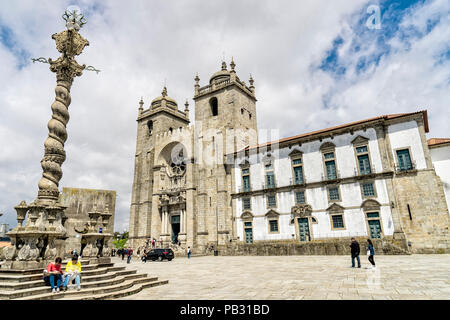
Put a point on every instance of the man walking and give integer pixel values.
(355, 252)
(129, 254)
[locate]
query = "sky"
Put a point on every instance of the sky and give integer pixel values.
(315, 64)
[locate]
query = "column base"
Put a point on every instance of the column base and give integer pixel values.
(164, 240)
(182, 238)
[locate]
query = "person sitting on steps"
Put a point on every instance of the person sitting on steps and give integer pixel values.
(54, 272)
(73, 272)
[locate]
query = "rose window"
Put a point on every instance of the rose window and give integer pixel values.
(178, 168)
(178, 165)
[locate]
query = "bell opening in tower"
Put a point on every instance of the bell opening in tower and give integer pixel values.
(214, 106)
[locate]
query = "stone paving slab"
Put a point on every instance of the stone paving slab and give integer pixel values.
(297, 277)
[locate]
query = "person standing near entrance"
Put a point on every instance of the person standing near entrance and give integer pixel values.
(355, 252)
(189, 252)
(371, 253)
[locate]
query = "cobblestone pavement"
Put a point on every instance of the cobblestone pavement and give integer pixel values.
(297, 277)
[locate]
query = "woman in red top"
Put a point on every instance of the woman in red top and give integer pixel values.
(55, 272)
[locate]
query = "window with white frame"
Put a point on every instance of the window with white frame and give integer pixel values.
(246, 203)
(271, 200)
(333, 194)
(300, 197)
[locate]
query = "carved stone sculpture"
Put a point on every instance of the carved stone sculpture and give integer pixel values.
(45, 221)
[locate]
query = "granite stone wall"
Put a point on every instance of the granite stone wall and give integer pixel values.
(321, 247)
(79, 202)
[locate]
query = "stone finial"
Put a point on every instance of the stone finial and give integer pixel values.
(232, 64)
(186, 109)
(197, 85)
(141, 105)
(164, 92)
(252, 87)
(224, 66)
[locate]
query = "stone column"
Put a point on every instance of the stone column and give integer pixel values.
(185, 220)
(164, 226)
(181, 221)
(387, 160)
(46, 214)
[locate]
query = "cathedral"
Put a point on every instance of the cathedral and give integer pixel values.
(212, 184)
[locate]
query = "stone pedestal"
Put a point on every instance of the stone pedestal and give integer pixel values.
(35, 243)
(182, 238)
(165, 239)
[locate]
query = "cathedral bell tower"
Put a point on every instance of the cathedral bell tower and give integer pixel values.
(161, 117)
(225, 122)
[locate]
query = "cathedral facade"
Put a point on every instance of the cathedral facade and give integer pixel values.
(182, 187)
(212, 184)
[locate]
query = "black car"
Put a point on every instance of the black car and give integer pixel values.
(160, 254)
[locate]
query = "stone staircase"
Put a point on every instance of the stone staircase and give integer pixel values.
(100, 279)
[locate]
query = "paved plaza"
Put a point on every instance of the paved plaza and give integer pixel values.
(297, 277)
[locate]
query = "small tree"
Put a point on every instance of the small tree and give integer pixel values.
(124, 235)
(120, 240)
(120, 244)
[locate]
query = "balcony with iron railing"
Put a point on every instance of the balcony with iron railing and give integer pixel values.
(361, 174)
(331, 177)
(297, 181)
(271, 185)
(408, 167)
(243, 189)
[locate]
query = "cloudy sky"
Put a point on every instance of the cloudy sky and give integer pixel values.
(316, 64)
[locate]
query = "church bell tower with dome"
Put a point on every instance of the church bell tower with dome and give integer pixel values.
(182, 188)
(225, 115)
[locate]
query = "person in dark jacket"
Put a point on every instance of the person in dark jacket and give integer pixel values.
(355, 252)
(129, 253)
(372, 252)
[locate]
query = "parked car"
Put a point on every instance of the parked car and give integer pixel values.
(160, 254)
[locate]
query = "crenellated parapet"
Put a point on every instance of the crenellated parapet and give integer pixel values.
(163, 104)
(176, 133)
(223, 79)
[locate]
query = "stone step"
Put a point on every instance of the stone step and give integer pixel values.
(87, 286)
(87, 293)
(39, 270)
(100, 271)
(10, 286)
(83, 262)
(127, 292)
(20, 278)
(38, 273)
(20, 272)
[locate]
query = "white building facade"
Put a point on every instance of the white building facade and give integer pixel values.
(346, 181)
(440, 155)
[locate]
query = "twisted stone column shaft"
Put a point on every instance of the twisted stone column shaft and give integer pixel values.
(54, 154)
